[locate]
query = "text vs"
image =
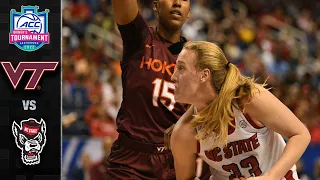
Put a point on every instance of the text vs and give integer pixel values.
(29, 105)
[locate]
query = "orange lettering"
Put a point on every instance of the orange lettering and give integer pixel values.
(167, 68)
(153, 65)
(157, 65)
(148, 63)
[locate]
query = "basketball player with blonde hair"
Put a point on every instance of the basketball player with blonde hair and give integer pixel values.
(234, 124)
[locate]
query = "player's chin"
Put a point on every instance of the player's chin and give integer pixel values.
(177, 97)
(180, 98)
(175, 23)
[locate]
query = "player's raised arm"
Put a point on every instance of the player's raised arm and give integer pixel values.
(124, 10)
(133, 28)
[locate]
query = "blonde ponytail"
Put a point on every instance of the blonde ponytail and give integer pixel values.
(233, 90)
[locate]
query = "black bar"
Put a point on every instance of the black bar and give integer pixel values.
(47, 93)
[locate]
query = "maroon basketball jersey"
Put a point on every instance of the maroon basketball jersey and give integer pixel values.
(148, 107)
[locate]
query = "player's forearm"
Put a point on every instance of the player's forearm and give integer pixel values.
(184, 166)
(184, 172)
(124, 10)
(294, 149)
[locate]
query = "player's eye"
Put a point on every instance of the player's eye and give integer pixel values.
(180, 68)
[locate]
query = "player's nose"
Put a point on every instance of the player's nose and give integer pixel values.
(173, 77)
(177, 3)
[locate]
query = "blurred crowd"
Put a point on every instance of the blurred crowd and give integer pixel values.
(276, 40)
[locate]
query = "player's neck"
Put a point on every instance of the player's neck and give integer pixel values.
(204, 98)
(202, 105)
(170, 36)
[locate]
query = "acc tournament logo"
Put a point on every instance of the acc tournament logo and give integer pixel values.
(30, 137)
(29, 28)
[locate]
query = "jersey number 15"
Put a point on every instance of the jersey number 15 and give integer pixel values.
(161, 91)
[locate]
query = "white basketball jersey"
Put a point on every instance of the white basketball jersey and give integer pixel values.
(251, 151)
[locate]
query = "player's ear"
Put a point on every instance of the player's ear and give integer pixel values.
(205, 75)
(155, 6)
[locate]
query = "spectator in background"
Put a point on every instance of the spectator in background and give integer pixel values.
(77, 16)
(100, 123)
(78, 98)
(97, 170)
(300, 170)
(68, 119)
(315, 130)
(111, 97)
(82, 172)
(317, 169)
